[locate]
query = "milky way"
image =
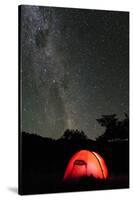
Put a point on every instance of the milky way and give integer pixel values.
(74, 68)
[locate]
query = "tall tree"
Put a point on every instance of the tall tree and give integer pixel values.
(114, 129)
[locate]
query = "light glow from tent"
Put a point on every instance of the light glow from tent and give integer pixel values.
(85, 163)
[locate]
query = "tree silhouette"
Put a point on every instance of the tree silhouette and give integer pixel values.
(123, 127)
(74, 135)
(114, 128)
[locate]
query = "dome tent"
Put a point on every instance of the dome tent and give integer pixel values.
(86, 163)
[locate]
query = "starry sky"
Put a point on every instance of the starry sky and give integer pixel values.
(74, 68)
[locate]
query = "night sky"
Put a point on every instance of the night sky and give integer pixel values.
(74, 68)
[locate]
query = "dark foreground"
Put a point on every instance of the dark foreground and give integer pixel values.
(44, 160)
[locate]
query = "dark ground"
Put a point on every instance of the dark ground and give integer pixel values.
(43, 162)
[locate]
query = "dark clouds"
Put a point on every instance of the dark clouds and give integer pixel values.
(74, 68)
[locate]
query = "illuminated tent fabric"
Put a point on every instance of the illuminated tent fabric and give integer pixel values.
(85, 163)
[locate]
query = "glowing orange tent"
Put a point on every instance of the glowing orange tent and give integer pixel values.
(85, 163)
